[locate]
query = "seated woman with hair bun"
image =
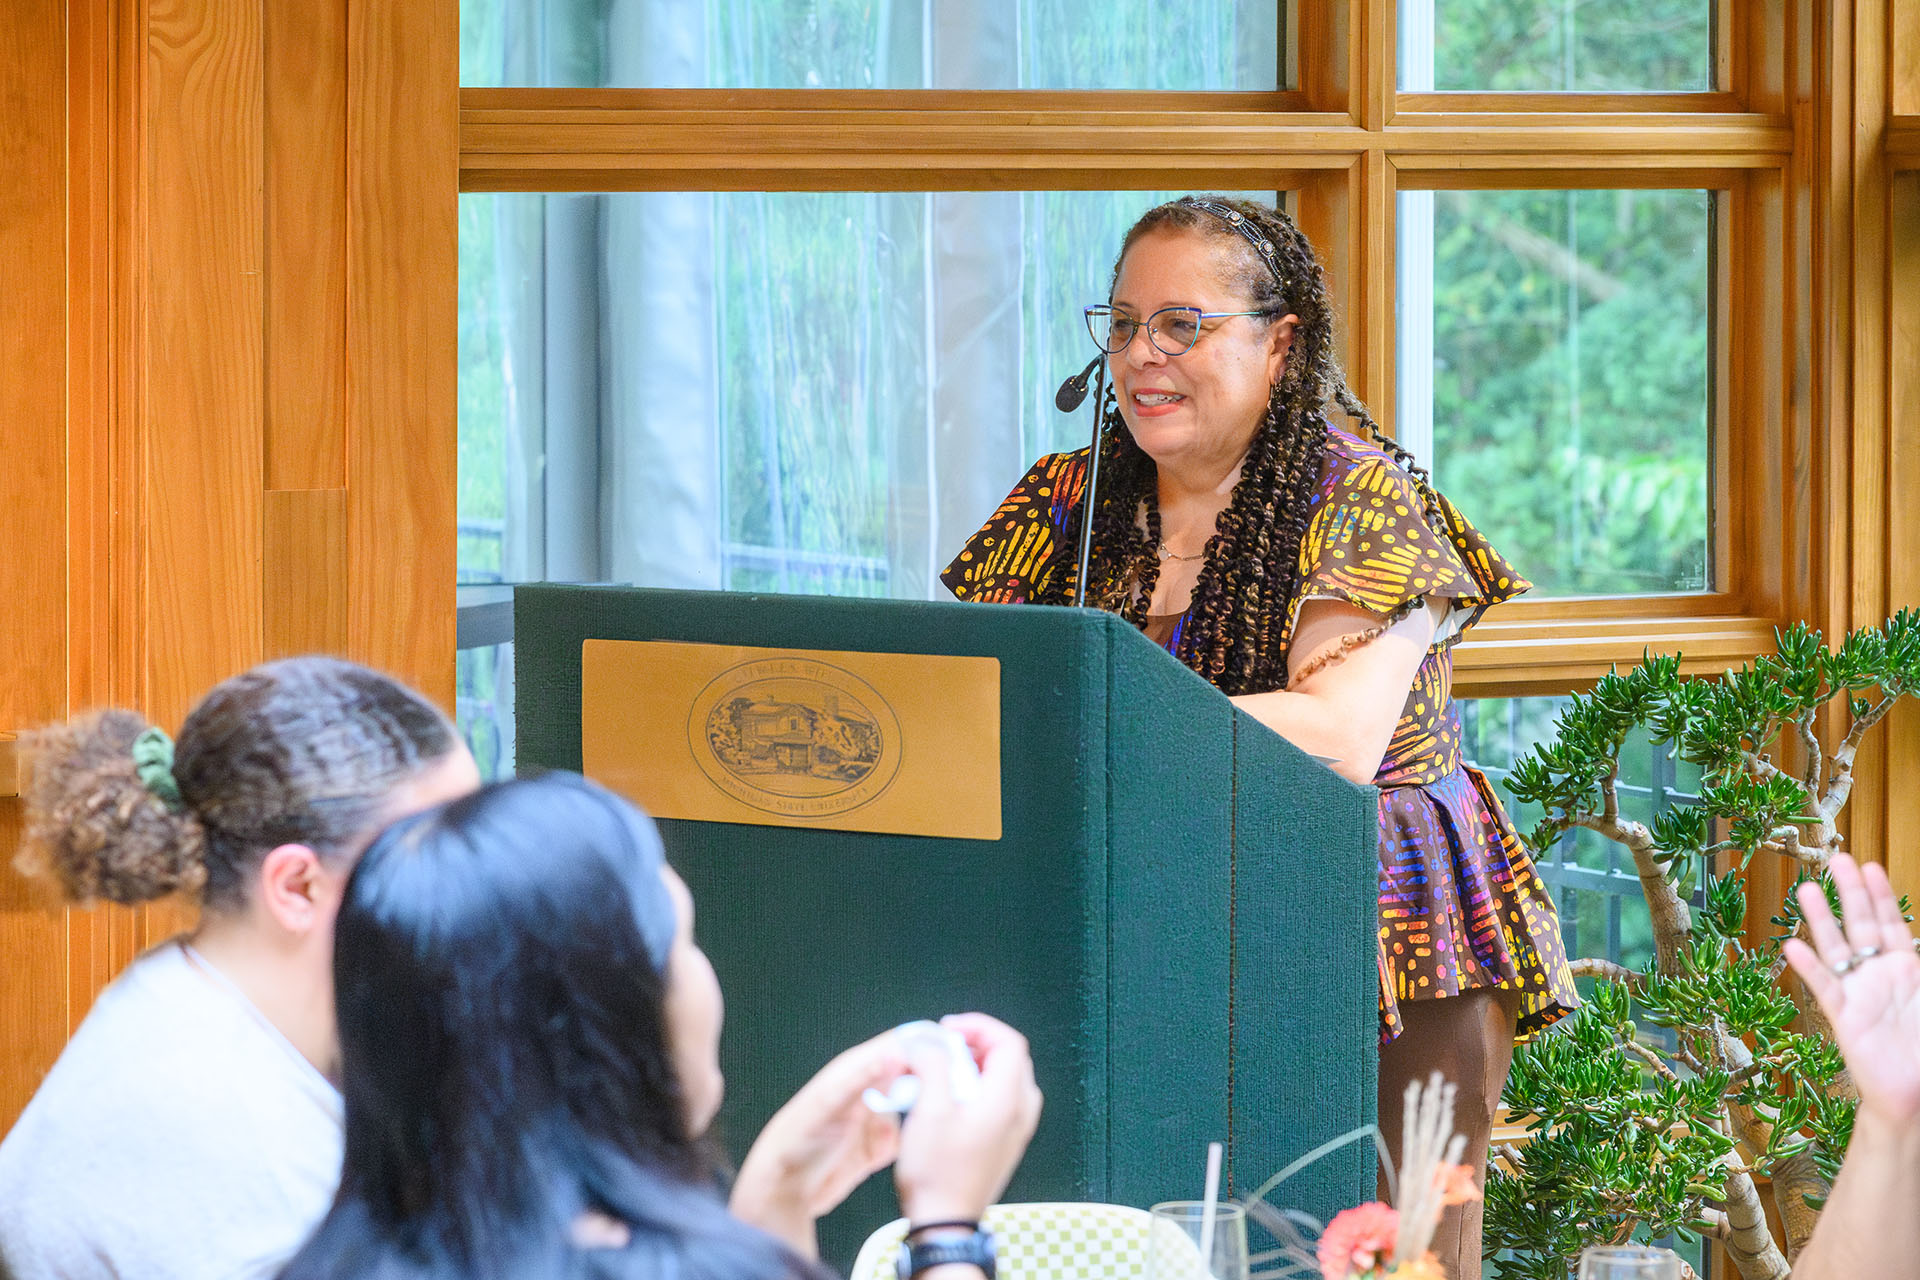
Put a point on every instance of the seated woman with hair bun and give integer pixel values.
(530, 1057)
(191, 1127)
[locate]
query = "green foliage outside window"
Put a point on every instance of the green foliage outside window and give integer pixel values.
(1570, 388)
(1590, 46)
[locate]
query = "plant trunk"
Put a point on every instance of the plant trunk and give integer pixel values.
(1672, 921)
(1749, 1243)
(1794, 1179)
(1797, 1178)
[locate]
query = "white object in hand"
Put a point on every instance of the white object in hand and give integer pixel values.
(963, 1074)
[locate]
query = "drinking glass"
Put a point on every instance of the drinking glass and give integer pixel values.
(1173, 1242)
(1629, 1262)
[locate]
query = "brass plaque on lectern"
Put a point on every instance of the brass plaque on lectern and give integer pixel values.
(904, 743)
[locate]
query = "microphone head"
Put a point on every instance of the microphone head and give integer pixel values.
(1073, 392)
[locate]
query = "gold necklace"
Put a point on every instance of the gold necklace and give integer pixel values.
(1166, 553)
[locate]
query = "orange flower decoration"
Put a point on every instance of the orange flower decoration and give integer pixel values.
(1426, 1267)
(1456, 1184)
(1358, 1241)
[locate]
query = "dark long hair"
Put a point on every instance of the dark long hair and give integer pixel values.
(498, 966)
(1237, 635)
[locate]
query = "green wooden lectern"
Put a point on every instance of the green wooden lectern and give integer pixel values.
(1180, 913)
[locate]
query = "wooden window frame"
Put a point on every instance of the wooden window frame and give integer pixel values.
(1345, 140)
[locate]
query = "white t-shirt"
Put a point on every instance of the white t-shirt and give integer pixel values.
(179, 1135)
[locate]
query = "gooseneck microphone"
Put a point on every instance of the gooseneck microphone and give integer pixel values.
(1077, 386)
(1074, 390)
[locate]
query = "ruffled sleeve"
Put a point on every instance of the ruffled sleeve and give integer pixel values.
(1369, 543)
(1011, 559)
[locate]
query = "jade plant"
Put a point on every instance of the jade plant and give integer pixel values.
(1681, 1086)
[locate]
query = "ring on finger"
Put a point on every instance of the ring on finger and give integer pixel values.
(1855, 960)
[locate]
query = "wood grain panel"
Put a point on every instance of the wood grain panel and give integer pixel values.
(1505, 656)
(33, 495)
(1322, 47)
(32, 383)
(101, 941)
(1329, 205)
(1862, 94)
(1761, 63)
(306, 243)
(204, 335)
(1903, 143)
(1761, 491)
(1903, 531)
(90, 362)
(1375, 61)
(402, 335)
(1728, 214)
(1905, 44)
(534, 139)
(306, 572)
(1514, 104)
(1370, 367)
(33, 984)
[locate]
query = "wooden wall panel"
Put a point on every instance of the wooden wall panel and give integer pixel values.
(1329, 212)
(33, 554)
(203, 354)
(306, 572)
(187, 380)
(1371, 352)
(33, 1004)
(1905, 44)
(403, 158)
(1903, 532)
(306, 244)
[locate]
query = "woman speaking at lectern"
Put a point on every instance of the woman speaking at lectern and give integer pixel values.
(1319, 581)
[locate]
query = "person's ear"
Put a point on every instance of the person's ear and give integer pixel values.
(297, 889)
(1279, 344)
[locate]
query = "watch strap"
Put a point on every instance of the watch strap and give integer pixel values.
(975, 1249)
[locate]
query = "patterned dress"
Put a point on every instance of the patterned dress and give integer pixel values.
(1461, 906)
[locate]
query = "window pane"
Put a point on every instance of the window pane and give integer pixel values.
(1554, 366)
(871, 44)
(796, 392)
(1544, 46)
(1603, 912)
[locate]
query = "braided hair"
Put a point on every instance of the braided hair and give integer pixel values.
(1237, 633)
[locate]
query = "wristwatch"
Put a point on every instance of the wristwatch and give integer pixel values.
(976, 1249)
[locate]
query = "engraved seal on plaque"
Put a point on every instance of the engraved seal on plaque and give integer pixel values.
(795, 737)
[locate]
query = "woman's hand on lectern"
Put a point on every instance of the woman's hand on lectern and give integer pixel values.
(956, 1156)
(820, 1146)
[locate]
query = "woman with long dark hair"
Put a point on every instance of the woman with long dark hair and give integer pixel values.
(529, 1042)
(191, 1128)
(1319, 581)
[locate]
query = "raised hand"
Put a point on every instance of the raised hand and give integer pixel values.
(1866, 977)
(956, 1157)
(820, 1146)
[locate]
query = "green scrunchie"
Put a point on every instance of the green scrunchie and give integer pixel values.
(153, 765)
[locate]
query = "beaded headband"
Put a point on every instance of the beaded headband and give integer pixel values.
(1248, 231)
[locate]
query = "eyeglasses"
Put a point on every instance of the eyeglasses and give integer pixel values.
(1171, 330)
